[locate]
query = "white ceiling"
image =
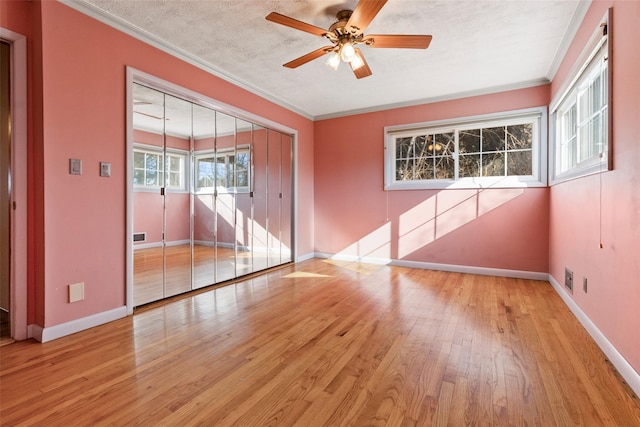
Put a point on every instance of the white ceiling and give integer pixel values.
(478, 46)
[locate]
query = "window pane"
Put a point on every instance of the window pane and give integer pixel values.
(520, 136)
(242, 161)
(402, 147)
(221, 172)
(175, 163)
(519, 163)
(423, 168)
(152, 178)
(469, 141)
(444, 144)
(205, 170)
(493, 164)
(152, 162)
(243, 179)
(138, 160)
(421, 145)
(404, 170)
(174, 179)
(493, 139)
(469, 165)
(445, 168)
(138, 177)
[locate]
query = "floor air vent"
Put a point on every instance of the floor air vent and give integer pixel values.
(139, 237)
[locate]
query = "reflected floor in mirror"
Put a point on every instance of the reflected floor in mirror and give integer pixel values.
(209, 265)
(324, 343)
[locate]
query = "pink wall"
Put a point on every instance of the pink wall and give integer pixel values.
(499, 228)
(84, 116)
(577, 214)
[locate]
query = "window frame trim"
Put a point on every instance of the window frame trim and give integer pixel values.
(579, 70)
(219, 152)
(155, 149)
(538, 178)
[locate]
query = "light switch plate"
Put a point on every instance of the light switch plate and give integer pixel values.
(105, 169)
(75, 166)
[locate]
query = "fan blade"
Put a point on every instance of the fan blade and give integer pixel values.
(399, 41)
(364, 13)
(308, 57)
(294, 23)
(363, 70)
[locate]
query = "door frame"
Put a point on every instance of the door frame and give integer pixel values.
(18, 262)
(136, 76)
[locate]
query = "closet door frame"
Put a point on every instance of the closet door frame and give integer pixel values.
(137, 76)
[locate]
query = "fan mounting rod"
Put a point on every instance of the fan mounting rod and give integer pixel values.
(339, 33)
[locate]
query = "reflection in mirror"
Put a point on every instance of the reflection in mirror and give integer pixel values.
(177, 201)
(286, 201)
(148, 129)
(204, 206)
(226, 209)
(242, 176)
(274, 209)
(225, 152)
(259, 184)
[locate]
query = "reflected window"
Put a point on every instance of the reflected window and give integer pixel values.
(224, 170)
(149, 166)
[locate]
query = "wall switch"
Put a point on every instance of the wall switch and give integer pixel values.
(105, 169)
(76, 292)
(75, 166)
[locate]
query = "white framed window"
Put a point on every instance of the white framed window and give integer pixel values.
(224, 170)
(580, 114)
(150, 164)
(494, 150)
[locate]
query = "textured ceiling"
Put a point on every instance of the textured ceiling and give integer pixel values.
(478, 46)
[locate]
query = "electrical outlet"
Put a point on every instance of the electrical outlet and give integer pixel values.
(584, 284)
(568, 279)
(76, 292)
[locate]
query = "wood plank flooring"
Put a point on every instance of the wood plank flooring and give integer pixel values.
(324, 343)
(207, 264)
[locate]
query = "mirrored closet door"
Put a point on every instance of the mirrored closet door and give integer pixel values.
(212, 196)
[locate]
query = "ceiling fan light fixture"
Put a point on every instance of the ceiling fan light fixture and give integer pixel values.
(333, 61)
(347, 52)
(356, 62)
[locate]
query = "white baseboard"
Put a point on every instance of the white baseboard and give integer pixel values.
(137, 246)
(624, 368)
(305, 257)
(178, 242)
(57, 331)
(518, 274)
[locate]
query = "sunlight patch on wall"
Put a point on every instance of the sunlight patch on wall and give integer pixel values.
(376, 244)
(444, 213)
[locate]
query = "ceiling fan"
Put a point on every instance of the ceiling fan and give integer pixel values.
(348, 32)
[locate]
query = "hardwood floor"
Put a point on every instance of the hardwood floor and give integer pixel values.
(209, 265)
(327, 343)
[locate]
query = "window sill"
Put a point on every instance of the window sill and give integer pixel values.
(468, 183)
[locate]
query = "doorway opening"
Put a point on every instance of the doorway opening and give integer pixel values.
(5, 192)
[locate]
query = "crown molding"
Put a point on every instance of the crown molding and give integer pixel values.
(119, 24)
(449, 97)
(576, 20)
